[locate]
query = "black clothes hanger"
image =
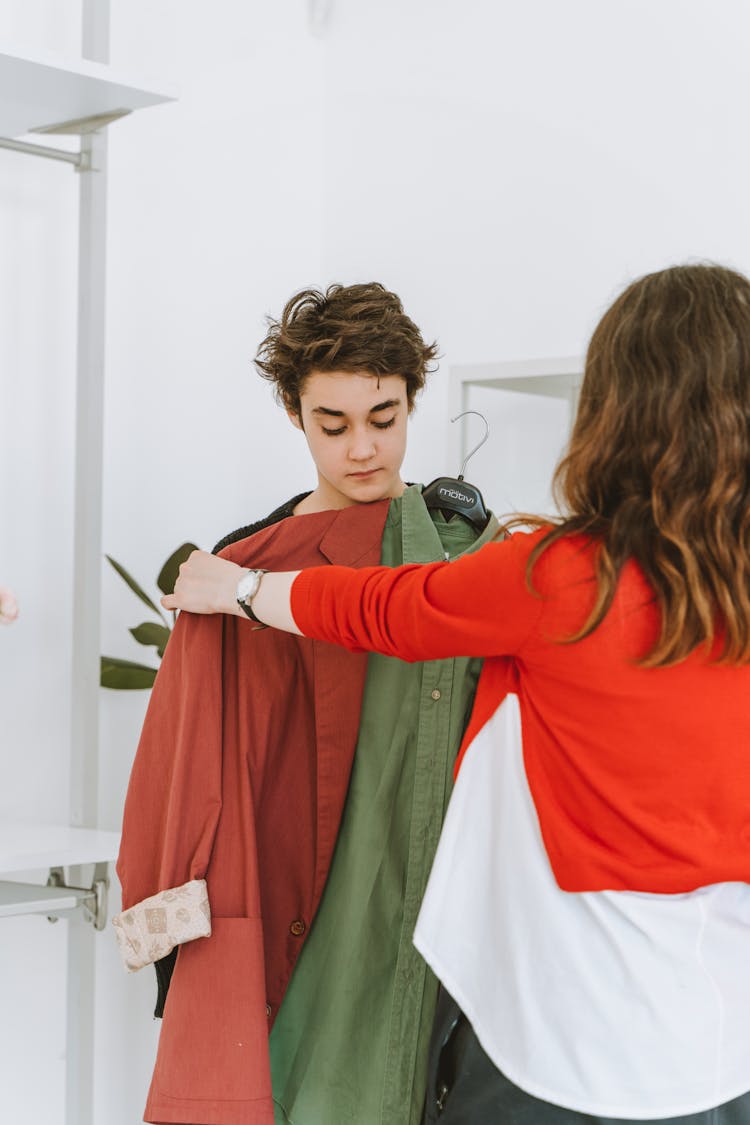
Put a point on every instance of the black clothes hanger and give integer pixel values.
(453, 494)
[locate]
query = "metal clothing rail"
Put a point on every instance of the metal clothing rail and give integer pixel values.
(77, 159)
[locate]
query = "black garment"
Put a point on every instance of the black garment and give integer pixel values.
(464, 1087)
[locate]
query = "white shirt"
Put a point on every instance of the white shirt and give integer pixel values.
(612, 1003)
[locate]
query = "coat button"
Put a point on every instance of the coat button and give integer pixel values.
(435, 694)
(268, 1010)
(297, 927)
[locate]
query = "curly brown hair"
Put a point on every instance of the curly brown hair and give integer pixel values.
(356, 328)
(658, 466)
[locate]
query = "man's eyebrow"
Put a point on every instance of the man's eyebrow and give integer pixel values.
(390, 402)
(325, 410)
(386, 405)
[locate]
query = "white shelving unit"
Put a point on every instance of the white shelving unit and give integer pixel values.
(41, 95)
(29, 847)
(556, 377)
(53, 848)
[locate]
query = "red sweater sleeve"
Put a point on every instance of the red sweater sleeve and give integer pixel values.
(478, 605)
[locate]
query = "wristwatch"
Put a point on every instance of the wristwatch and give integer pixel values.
(247, 588)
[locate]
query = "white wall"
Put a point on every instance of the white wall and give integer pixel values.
(38, 231)
(505, 167)
(509, 166)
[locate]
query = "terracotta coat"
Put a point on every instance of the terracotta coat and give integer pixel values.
(230, 821)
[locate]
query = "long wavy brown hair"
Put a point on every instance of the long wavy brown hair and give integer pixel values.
(658, 466)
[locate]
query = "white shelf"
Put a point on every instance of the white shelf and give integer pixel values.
(41, 93)
(31, 847)
(552, 376)
(558, 376)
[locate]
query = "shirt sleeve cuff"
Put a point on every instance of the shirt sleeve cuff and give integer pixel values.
(152, 928)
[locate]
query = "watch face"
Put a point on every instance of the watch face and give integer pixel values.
(247, 585)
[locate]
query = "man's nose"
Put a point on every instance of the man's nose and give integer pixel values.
(362, 447)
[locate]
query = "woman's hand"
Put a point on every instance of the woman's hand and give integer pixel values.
(206, 584)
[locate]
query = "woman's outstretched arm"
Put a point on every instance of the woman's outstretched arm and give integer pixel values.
(478, 605)
(208, 584)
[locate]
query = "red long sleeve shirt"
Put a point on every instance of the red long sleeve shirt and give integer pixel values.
(640, 776)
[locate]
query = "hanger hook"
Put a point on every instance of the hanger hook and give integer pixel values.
(479, 444)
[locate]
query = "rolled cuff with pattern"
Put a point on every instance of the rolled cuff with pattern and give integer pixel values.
(152, 928)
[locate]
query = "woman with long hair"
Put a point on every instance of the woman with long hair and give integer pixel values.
(588, 912)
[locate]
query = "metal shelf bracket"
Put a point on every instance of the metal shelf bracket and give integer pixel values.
(59, 900)
(91, 903)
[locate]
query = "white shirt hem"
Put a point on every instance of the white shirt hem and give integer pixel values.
(537, 1090)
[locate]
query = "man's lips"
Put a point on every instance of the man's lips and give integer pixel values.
(367, 473)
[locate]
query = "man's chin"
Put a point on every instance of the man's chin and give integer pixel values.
(370, 491)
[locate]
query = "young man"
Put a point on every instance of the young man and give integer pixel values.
(349, 1042)
(346, 365)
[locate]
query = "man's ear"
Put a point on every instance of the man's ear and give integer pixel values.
(295, 419)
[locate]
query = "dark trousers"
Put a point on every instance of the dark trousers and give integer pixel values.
(465, 1088)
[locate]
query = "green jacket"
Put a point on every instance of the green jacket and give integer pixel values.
(350, 1042)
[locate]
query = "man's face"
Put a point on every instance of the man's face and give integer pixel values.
(355, 425)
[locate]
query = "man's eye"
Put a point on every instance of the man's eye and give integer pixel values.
(333, 433)
(385, 425)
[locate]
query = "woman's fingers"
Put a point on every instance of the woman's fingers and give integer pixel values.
(205, 584)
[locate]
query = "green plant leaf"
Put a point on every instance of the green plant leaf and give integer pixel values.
(168, 574)
(125, 674)
(151, 633)
(131, 582)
